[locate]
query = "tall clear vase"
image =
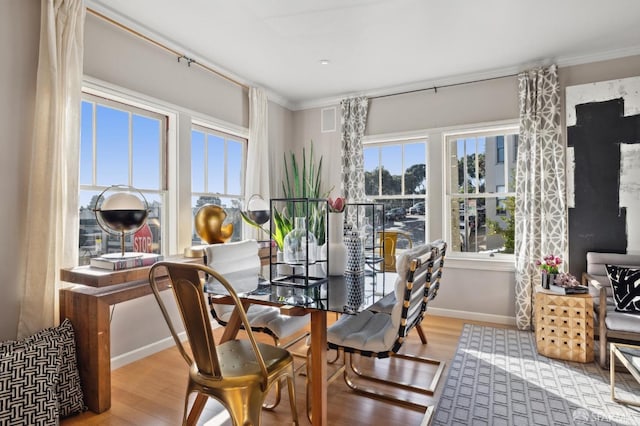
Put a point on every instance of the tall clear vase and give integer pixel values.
(300, 245)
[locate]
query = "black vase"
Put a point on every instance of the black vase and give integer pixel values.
(547, 279)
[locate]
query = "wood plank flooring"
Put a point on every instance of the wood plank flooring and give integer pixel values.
(151, 391)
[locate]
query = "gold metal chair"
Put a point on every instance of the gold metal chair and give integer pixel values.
(379, 332)
(388, 242)
(238, 373)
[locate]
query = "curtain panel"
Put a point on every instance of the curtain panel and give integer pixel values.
(541, 218)
(51, 218)
(354, 119)
(258, 155)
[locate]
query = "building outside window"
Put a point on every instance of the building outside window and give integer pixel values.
(120, 144)
(218, 162)
(396, 176)
(480, 190)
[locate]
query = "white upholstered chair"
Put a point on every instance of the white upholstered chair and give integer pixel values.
(379, 332)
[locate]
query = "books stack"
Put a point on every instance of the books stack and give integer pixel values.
(113, 264)
(579, 289)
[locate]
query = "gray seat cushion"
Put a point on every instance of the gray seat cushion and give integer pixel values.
(366, 331)
(622, 321)
(261, 316)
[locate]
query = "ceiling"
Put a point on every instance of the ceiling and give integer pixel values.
(380, 46)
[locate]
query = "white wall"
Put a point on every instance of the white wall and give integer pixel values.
(19, 38)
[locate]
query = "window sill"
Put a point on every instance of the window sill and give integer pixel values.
(484, 263)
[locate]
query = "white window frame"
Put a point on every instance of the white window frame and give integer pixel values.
(480, 131)
(402, 139)
(225, 133)
(103, 89)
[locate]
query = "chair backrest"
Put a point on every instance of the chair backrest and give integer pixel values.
(187, 285)
(596, 265)
(418, 281)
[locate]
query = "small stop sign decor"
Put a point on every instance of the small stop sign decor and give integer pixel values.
(143, 240)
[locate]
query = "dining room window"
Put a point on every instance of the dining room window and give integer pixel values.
(120, 144)
(218, 162)
(480, 191)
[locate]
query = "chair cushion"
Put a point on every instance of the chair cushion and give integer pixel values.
(365, 331)
(68, 389)
(269, 317)
(622, 321)
(626, 288)
(28, 379)
(596, 264)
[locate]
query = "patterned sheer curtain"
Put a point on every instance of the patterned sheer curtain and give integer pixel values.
(541, 221)
(258, 152)
(52, 209)
(354, 119)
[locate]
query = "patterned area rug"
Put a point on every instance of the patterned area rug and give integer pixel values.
(498, 378)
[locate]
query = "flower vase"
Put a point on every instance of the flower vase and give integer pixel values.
(337, 251)
(547, 279)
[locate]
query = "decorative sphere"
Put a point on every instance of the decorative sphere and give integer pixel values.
(122, 212)
(258, 210)
(209, 224)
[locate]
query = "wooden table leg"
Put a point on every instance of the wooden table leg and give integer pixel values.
(319, 367)
(90, 319)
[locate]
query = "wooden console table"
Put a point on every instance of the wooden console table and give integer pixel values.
(87, 307)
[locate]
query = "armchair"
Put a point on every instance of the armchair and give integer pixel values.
(610, 324)
(381, 333)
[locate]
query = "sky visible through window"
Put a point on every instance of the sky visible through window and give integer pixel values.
(113, 151)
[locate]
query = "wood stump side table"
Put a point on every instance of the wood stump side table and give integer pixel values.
(564, 325)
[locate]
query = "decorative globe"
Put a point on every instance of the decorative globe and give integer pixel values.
(121, 213)
(258, 210)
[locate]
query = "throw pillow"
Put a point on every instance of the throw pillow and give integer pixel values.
(68, 389)
(625, 283)
(28, 378)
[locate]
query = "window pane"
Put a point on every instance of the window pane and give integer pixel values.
(146, 152)
(112, 146)
(512, 146)
(501, 226)
(391, 169)
(197, 161)
(234, 167)
(499, 149)
(415, 169)
(231, 206)
(398, 219)
(215, 164)
(371, 171)
(86, 144)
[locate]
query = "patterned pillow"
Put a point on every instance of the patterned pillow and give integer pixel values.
(626, 288)
(28, 378)
(68, 389)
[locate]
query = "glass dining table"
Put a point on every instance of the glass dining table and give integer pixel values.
(298, 295)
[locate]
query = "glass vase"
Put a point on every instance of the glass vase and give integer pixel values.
(300, 245)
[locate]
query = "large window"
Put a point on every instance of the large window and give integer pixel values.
(396, 175)
(120, 145)
(480, 192)
(217, 174)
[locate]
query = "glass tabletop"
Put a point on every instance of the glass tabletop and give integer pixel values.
(350, 293)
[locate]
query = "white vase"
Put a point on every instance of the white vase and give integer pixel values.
(336, 250)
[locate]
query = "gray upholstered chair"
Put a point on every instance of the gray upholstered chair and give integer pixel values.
(610, 324)
(381, 331)
(242, 258)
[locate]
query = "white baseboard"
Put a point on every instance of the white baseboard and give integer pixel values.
(475, 316)
(145, 351)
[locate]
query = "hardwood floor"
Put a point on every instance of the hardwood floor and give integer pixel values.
(151, 391)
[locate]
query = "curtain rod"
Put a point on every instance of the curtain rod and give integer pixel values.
(165, 47)
(435, 88)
